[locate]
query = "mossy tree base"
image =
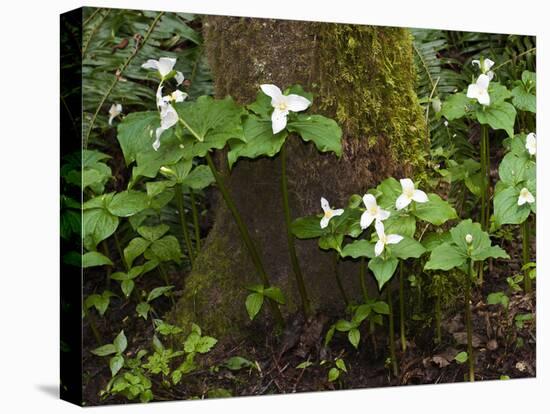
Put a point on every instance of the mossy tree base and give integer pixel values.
(363, 77)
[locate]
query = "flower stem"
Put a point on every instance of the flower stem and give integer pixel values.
(195, 221)
(164, 275)
(306, 308)
(245, 236)
(338, 278)
(402, 307)
(93, 326)
(467, 300)
(183, 222)
(483, 164)
(526, 256)
(488, 176)
(393, 356)
(362, 271)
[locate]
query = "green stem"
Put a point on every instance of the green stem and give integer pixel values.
(338, 278)
(306, 308)
(393, 356)
(362, 271)
(483, 164)
(526, 255)
(183, 222)
(488, 177)
(195, 221)
(120, 252)
(93, 326)
(402, 307)
(164, 275)
(467, 300)
(109, 268)
(245, 236)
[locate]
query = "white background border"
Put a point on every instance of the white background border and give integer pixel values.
(29, 160)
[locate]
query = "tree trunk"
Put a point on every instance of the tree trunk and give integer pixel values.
(361, 76)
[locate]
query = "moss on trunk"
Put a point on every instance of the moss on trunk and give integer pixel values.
(363, 77)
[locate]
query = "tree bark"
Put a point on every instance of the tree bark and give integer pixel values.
(361, 76)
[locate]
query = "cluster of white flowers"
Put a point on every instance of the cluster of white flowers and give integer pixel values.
(480, 89)
(168, 115)
(373, 212)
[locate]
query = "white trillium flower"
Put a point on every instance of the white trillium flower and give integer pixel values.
(372, 212)
(168, 118)
(410, 193)
(114, 111)
(525, 196)
(179, 77)
(164, 66)
(531, 143)
(480, 90)
(282, 105)
(469, 238)
(384, 239)
(485, 67)
(329, 213)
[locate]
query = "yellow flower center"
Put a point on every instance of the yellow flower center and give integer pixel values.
(373, 210)
(282, 106)
(329, 214)
(409, 192)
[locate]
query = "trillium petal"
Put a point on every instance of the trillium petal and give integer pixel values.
(531, 143)
(476, 62)
(370, 201)
(530, 198)
(338, 212)
(366, 220)
(379, 226)
(402, 202)
(393, 238)
(158, 133)
(521, 200)
(178, 96)
(273, 92)
(324, 204)
(378, 248)
(473, 91)
(165, 65)
(179, 78)
(483, 81)
(168, 117)
(490, 75)
(382, 215)
(278, 120)
(324, 222)
(151, 64)
(420, 196)
(488, 64)
(296, 103)
(484, 98)
(407, 184)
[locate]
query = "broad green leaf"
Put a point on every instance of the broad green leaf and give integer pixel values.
(361, 313)
(143, 309)
(333, 374)
(260, 141)
(354, 337)
(135, 248)
(156, 188)
(101, 201)
(201, 177)
(136, 133)
(116, 363)
(461, 357)
(128, 203)
(523, 100)
(506, 209)
(104, 350)
(149, 161)
(496, 252)
(358, 248)
(253, 304)
(307, 227)
(400, 223)
(100, 302)
(97, 225)
(120, 342)
(276, 294)
(436, 211)
(407, 248)
(498, 298)
(191, 342)
(389, 190)
(205, 344)
(341, 365)
(514, 169)
(498, 93)
(383, 269)
(236, 363)
(445, 257)
(456, 106)
(210, 123)
(344, 326)
(381, 308)
(127, 286)
(431, 240)
(165, 249)
(331, 241)
(91, 259)
(324, 132)
(498, 116)
(158, 292)
(153, 233)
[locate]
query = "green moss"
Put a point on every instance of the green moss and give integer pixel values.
(370, 89)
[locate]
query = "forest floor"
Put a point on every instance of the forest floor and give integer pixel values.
(501, 349)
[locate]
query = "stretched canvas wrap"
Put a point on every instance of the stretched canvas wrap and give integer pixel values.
(256, 206)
